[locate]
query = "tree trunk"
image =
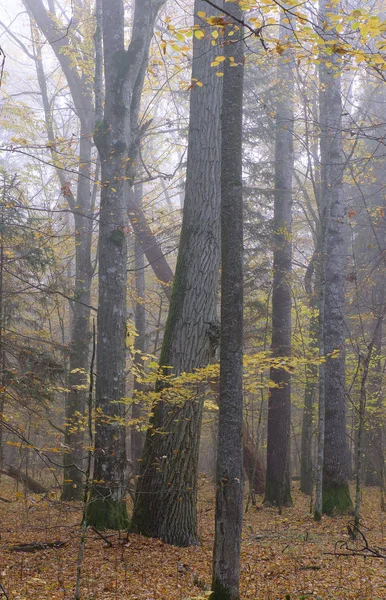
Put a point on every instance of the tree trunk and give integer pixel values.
(306, 467)
(278, 483)
(150, 245)
(374, 461)
(124, 74)
(165, 505)
(139, 343)
(229, 493)
(336, 494)
(75, 402)
(80, 333)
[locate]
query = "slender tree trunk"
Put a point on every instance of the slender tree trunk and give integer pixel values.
(229, 493)
(374, 470)
(150, 245)
(2, 352)
(278, 482)
(140, 341)
(80, 333)
(165, 504)
(336, 494)
(306, 466)
(75, 402)
(361, 421)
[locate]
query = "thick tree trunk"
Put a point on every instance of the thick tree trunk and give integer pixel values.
(278, 483)
(336, 494)
(124, 75)
(229, 493)
(165, 504)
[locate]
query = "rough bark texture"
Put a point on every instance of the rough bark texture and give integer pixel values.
(278, 483)
(80, 205)
(165, 504)
(229, 492)
(114, 136)
(336, 494)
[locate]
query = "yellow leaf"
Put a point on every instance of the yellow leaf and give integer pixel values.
(199, 34)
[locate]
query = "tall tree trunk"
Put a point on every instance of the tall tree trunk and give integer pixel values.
(124, 75)
(140, 341)
(81, 207)
(165, 504)
(80, 332)
(306, 467)
(374, 461)
(336, 494)
(229, 492)
(278, 483)
(2, 352)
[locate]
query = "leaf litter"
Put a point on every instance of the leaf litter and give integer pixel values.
(285, 555)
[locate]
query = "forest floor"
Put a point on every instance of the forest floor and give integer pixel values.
(284, 556)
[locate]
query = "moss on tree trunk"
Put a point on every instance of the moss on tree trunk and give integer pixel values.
(336, 498)
(105, 512)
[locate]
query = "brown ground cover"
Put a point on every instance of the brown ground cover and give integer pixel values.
(284, 556)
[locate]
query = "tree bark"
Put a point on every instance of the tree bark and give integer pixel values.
(374, 461)
(278, 483)
(124, 75)
(306, 466)
(336, 494)
(81, 207)
(165, 504)
(139, 343)
(229, 479)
